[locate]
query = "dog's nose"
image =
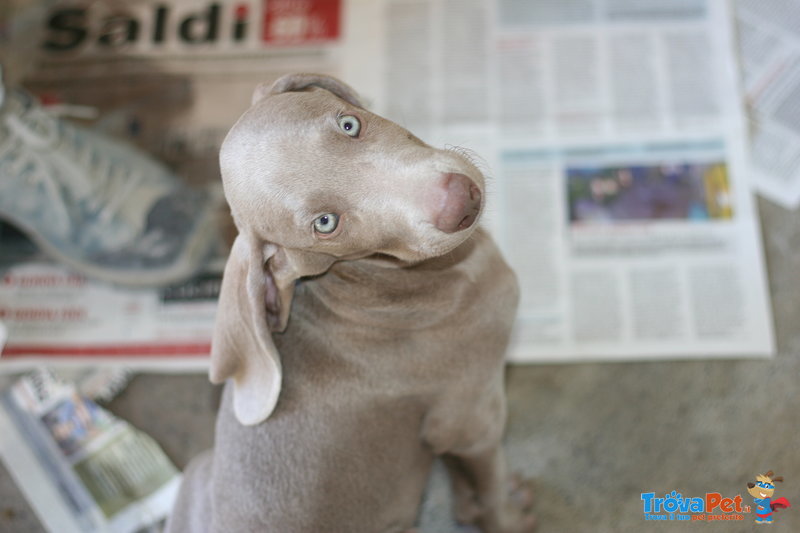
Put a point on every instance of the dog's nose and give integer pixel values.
(461, 205)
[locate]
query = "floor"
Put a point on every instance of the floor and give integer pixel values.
(593, 437)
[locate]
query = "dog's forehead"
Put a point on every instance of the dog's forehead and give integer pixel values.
(284, 126)
(281, 111)
(271, 126)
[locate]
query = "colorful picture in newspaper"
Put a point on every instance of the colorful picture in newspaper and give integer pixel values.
(676, 191)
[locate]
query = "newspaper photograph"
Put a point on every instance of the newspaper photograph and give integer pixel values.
(612, 132)
(81, 468)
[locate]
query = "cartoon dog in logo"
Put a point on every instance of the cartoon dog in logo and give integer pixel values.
(762, 491)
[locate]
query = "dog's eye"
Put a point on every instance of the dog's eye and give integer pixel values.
(326, 223)
(350, 125)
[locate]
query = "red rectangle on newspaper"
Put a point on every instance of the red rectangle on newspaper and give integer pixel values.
(293, 22)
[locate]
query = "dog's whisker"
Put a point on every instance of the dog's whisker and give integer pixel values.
(472, 157)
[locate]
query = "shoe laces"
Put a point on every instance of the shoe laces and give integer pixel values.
(101, 184)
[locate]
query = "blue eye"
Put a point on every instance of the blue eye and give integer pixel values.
(350, 125)
(327, 223)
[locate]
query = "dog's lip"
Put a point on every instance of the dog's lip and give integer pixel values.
(438, 247)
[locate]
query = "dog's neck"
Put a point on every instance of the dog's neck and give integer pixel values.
(375, 290)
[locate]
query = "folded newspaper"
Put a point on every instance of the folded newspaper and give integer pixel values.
(81, 468)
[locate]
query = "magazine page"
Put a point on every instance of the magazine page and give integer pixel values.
(614, 135)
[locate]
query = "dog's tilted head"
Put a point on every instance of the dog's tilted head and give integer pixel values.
(313, 178)
(308, 168)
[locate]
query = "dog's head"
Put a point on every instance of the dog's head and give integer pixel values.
(764, 487)
(313, 178)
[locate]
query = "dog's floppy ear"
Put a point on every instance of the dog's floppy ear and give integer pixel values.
(300, 82)
(255, 299)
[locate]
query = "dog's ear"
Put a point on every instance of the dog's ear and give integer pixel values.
(300, 82)
(255, 299)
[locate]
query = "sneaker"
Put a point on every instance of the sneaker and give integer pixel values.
(97, 204)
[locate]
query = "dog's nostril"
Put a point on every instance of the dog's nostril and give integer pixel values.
(461, 205)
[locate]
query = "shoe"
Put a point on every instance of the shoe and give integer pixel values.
(97, 204)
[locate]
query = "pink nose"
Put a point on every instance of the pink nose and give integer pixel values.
(461, 205)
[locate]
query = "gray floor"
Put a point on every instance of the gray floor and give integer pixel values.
(592, 436)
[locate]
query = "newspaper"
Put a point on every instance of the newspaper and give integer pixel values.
(183, 73)
(769, 47)
(615, 135)
(55, 315)
(612, 132)
(81, 469)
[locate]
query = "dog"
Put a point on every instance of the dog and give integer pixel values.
(362, 324)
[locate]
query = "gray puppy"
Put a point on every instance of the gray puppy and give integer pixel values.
(361, 329)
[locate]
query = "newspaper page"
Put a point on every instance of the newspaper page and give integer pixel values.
(53, 314)
(614, 133)
(769, 49)
(169, 77)
(82, 469)
(611, 130)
